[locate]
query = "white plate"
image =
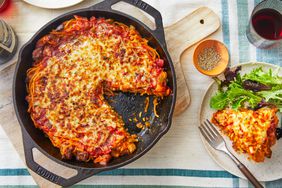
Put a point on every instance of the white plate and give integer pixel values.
(270, 169)
(53, 4)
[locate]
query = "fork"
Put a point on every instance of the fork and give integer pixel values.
(215, 140)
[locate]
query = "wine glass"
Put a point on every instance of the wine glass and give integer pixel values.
(265, 25)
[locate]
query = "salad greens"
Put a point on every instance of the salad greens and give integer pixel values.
(267, 78)
(249, 90)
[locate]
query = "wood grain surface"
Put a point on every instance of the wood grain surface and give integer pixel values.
(182, 35)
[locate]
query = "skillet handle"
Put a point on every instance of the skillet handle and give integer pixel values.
(43, 172)
(158, 31)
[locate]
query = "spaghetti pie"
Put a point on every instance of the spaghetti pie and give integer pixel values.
(252, 132)
(73, 67)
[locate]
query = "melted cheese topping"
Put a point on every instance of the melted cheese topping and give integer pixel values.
(252, 132)
(67, 83)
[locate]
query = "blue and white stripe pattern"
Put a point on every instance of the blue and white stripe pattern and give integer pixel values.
(234, 15)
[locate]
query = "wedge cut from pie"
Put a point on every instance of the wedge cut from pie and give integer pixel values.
(252, 131)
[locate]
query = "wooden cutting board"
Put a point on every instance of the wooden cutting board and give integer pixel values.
(182, 35)
(179, 36)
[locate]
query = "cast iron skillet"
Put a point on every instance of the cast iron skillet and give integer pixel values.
(126, 104)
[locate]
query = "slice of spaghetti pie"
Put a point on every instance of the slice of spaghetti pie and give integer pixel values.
(252, 132)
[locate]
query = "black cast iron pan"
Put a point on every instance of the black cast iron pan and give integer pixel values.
(126, 104)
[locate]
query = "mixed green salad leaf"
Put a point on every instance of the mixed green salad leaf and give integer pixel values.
(249, 90)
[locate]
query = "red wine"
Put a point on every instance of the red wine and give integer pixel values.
(268, 24)
(4, 4)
